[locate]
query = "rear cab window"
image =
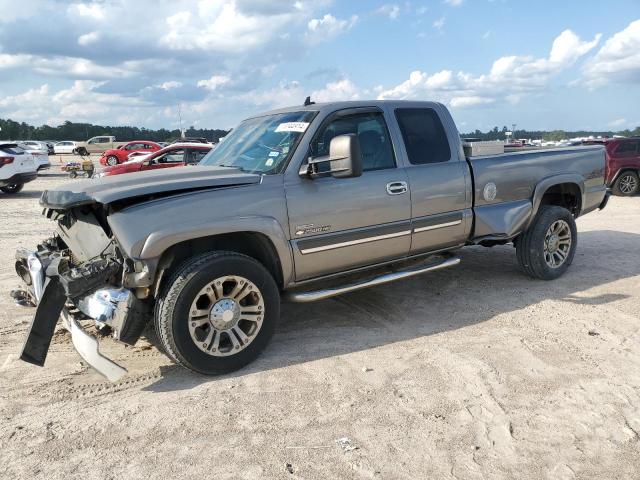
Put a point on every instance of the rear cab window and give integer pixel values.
(424, 136)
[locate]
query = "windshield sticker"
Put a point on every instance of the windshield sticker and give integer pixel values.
(292, 127)
(274, 154)
(269, 162)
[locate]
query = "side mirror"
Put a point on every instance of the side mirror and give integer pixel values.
(345, 159)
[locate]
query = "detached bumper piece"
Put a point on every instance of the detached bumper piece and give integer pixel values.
(51, 291)
(87, 347)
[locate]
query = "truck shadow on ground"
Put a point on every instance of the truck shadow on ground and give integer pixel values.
(24, 194)
(487, 283)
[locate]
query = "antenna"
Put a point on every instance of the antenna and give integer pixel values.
(180, 120)
(307, 101)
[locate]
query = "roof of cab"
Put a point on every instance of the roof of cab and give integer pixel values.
(319, 107)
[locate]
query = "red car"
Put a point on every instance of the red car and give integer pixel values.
(119, 155)
(623, 165)
(176, 155)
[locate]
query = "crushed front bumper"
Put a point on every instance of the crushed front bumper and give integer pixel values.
(116, 308)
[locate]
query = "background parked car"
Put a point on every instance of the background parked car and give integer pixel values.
(16, 167)
(47, 146)
(623, 164)
(98, 144)
(120, 154)
(66, 146)
(39, 153)
(176, 155)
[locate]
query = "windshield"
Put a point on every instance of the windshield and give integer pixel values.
(260, 145)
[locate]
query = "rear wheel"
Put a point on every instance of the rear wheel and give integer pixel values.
(627, 184)
(112, 160)
(547, 248)
(217, 313)
(12, 188)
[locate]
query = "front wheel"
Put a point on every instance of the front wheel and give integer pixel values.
(112, 160)
(627, 184)
(217, 313)
(547, 248)
(12, 188)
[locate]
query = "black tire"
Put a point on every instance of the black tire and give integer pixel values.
(171, 318)
(627, 184)
(12, 188)
(530, 245)
(112, 160)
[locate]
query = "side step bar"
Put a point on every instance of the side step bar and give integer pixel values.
(312, 296)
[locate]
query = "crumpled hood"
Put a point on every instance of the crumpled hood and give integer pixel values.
(110, 189)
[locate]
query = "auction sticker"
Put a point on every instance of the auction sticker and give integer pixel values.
(292, 127)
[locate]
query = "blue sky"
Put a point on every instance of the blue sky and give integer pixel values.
(541, 65)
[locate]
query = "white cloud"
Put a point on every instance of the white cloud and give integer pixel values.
(225, 27)
(88, 38)
(170, 85)
(214, 82)
(486, 34)
(389, 10)
(92, 10)
(619, 122)
(438, 24)
(81, 102)
(341, 90)
(454, 3)
(325, 28)
(509, 79)
(73, 67)
(618, 61)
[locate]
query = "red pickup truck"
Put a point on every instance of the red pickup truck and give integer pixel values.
(623, 165)
(176, 155)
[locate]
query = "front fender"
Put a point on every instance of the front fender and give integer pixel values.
(159, 241)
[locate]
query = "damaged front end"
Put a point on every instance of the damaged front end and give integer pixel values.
(77, 275)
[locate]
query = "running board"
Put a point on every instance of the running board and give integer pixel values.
(312, 296)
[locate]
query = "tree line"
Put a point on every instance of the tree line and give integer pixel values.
(12, 130)
(554, 135)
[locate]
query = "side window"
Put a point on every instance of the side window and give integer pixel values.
(92, 141)
(627, 148)
(175, 156)
(194, 156)
(373, 136)
(424, 136)
(104, 140)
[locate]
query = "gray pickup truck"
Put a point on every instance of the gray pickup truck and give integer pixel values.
(301, 203)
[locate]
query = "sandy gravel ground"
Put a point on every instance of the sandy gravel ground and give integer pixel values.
(475, 372)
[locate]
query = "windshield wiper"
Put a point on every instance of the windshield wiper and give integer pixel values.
(231, 166)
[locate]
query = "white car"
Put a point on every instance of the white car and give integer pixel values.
(66, 146)
(17, 167)
(40, 153)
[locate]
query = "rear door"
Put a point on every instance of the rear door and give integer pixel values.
(337, 224)
(438, 178)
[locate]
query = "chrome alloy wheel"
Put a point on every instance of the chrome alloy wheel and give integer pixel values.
(628, 184)
(226, 316)
(557, 243)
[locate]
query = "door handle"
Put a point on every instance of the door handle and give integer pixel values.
(397, 188)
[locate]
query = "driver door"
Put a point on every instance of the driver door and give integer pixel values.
(337, 224)
(167, 160)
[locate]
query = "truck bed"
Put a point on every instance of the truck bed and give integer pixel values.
(516, 177)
